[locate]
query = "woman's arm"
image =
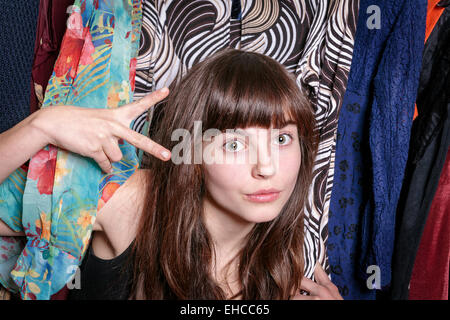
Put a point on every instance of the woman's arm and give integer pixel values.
(19, 144)
(118, 220)
(89, 132)
(116, 223)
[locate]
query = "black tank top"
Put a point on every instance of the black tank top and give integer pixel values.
(104, 279)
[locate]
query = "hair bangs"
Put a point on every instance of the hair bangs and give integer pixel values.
(251, 92)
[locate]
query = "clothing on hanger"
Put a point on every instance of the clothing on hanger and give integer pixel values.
(17, 28)
(51, 27)
(430, 275)
(430, 140)
(55, 200)
(434, 11)
(371, 149)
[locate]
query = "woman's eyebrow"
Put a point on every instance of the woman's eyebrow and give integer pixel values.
(287, 124)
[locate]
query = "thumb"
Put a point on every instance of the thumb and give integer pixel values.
(130, 111)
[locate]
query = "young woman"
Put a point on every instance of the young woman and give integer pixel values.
(229, 226)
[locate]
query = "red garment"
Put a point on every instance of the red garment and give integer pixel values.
(61, 294)
(430, 275)
(49, 33)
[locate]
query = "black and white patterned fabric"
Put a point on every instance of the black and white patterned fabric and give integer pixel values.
(311, 38)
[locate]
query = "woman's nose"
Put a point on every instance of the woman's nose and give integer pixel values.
(265, 165)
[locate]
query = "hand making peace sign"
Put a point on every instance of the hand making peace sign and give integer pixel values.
(95, 133)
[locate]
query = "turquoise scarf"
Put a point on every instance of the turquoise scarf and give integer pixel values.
(55, 200)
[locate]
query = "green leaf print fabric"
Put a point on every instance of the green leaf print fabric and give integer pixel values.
(55, 200)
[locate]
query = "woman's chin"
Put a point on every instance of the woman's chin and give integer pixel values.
(260, 215)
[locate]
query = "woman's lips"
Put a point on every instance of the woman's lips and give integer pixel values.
(263, 195)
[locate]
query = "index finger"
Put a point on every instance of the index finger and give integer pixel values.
(130, 111)
(141, 142)
(324, 280)
(321, 276)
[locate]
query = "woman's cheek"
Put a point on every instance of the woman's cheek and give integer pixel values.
(225, 177)
(289, 165)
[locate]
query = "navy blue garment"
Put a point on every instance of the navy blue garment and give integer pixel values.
(372, 143)
(18, 20)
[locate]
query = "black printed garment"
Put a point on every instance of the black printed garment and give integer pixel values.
(311, 38)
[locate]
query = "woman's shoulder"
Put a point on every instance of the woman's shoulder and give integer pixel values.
(127, 199)
(119, 218)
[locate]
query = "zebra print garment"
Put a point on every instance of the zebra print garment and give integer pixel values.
(311, 38)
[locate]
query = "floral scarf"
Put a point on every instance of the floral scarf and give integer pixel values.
(54, 200)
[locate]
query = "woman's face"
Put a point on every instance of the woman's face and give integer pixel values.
(250, 173)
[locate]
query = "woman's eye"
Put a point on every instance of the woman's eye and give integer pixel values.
(283, 139)
(233, 146)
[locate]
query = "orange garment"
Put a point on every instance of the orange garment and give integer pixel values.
(433, 14)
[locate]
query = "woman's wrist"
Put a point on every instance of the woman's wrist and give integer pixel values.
(40, 123)
(20, 143)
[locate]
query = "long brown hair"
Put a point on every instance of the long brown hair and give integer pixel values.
(173, 249)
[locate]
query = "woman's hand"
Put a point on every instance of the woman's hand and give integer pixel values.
(95, 133)
(324, 289)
